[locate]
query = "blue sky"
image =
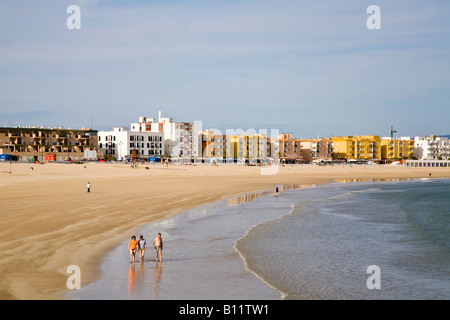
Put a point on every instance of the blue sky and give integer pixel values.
(307, 67)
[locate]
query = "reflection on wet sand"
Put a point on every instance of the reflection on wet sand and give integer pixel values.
(156, 279)
(131, 279)
(187, 251)
(135, 281)
(236, 201)
(378, 179)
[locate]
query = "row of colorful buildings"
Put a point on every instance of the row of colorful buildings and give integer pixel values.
(163, 138)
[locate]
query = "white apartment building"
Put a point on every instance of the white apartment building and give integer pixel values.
(120, 142)
(431, 148)
(181, 139)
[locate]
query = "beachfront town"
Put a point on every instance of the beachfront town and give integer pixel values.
(164, 140)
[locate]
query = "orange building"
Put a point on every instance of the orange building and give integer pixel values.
(290, 149)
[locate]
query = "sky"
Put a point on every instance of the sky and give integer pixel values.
(310, 68)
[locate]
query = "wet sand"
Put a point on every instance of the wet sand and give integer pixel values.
(199, 259)
(48, 220)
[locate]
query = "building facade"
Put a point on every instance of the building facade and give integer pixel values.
(53, 144)
(213, 146)
(294, 150)
(357, 147)
(291, 150)
(120, 142)
(397, 149)
(231, 147)
(182, 140)
(432, 148)
(319, 149)
(255, 148)
(427, 163)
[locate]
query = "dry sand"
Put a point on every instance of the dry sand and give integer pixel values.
(48, 220)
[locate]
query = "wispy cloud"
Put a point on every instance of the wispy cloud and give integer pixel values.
(219, 61)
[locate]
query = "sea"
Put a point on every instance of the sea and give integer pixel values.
(364, 240)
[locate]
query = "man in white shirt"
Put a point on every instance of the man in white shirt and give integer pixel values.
(142, 247)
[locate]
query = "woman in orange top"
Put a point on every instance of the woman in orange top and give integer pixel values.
(132, 247)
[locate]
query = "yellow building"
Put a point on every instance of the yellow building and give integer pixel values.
(231, 142)
(357, 148)
(244, 147)
(249, 147)
(396, 149)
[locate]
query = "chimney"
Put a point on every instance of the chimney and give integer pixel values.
(159, 116)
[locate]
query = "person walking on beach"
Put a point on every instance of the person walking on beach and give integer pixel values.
(88, 187)
(132, 247)
(158, 245)
(142, 247)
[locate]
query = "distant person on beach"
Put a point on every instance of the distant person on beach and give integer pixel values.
(142, 243)
(132, 247)
(88, 187)
(158, 245)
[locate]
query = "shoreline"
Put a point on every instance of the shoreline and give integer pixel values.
(254, 264)
(113, 266)
(118, 206)
(245, 260)
(284, 295)
(175, 251)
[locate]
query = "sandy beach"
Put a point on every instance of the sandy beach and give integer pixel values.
(49, 221)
